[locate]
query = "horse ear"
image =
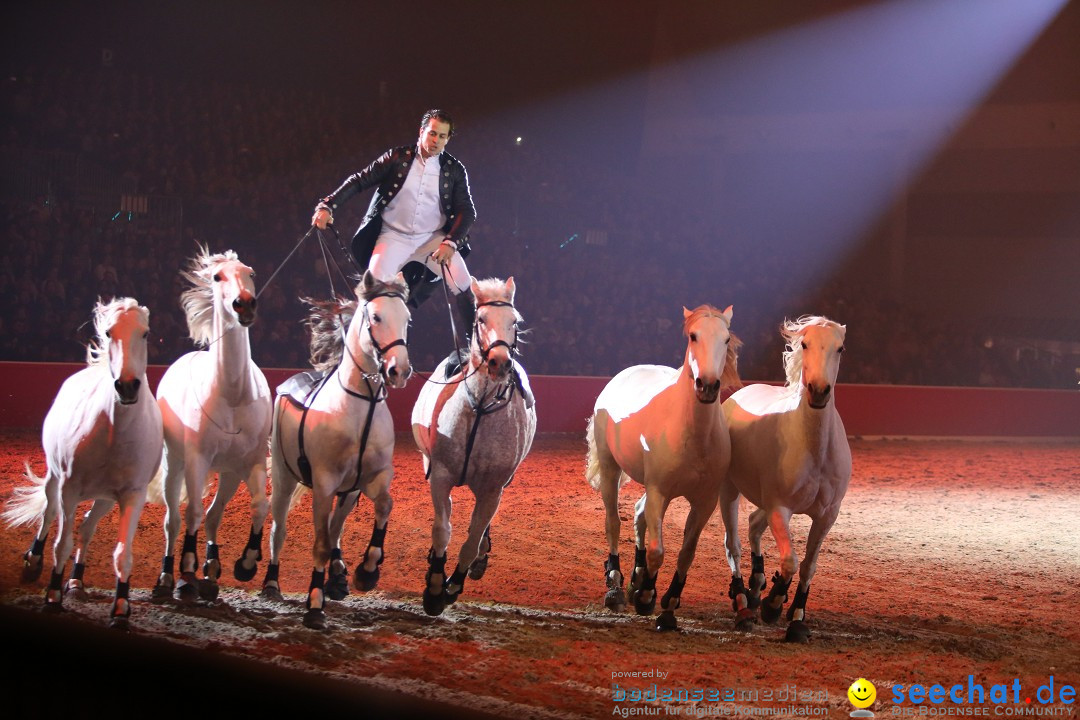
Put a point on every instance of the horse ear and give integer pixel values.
(399, 279)
(473, 286)
(727, 314)
(367, 281)
(510, 288)
(686, 313)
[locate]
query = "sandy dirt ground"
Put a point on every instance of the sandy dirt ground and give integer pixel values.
(949, 560)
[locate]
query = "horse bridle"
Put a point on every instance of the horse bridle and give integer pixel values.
(380, 350)
(484, 352)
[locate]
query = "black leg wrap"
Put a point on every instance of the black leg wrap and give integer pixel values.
(38, 546)
(797, 630)
(53, 594)
(191, 544)
(56, 580)
(735, 589)
(122, 589)
(335, 554)
(167, 565)
(77, 571)
(757, 564)
(363, 578)
(673, 593)
(458, 578)
(271, 573)
(34, 561)
(337, 584)
(212, 551)
(799, 603)
(612, 563)
(255, 542)
(434, 602)
(769, 612)
(315, 618)
(378, 536)
(318, 580)
(615, 599)
(121, 608)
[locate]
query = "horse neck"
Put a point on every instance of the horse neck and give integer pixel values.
(232, 359)
(815, 426)
(702, 417)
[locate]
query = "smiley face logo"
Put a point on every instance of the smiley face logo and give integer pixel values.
(862, 693)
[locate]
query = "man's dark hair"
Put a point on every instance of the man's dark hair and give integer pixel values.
(438, 115)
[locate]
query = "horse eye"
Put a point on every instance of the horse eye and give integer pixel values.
(217, 277)
(376, 318)
(251, 274)
(727, 341)
(108, 333)
(146, 335)
(804, 346)
(841, 349)
(693, 337)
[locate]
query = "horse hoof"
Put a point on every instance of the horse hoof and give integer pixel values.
(434, 604)
(32, 570)
(769, 614)
(797, 632)
(208, 590)
(615, 600)
(337, 586)
(119, 622)
(745, 621)
(187, 590)
(315, 619)
(478, 568)
(364, 580)
(77, 593)
(242, 573)
(162, 591)
(644, 607)
(666, 621)
(270, 592)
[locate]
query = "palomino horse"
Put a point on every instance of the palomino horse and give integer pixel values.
(215, 405)
(102, 441)
(474, 430)
(338, 438)
(664, 429)
(789, 454)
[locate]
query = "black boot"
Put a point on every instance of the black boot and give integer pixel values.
(466, 307)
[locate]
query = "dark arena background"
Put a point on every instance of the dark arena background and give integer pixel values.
(909, 168)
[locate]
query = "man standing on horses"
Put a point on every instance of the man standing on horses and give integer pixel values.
(419, 217)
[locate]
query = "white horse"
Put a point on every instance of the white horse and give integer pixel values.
(789, 454)
(338, 438)
(474, 430)
(664, 429)
(102, 441)
(215, 404)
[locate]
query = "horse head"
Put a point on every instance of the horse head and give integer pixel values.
(234, 289)
(495, 331)
(814, 346)
(386, 317)
(710, 350)
(122, 326)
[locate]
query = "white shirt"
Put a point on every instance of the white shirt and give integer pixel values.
(416, 209)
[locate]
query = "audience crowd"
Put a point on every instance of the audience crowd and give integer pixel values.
(602, 271)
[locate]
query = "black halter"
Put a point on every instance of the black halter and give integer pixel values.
(380, 350)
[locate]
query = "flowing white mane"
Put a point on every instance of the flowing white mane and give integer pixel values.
(328, 321)
(105, 316)
(792, 331)
(198, 300)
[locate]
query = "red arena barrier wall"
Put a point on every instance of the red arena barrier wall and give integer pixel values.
(565, 403)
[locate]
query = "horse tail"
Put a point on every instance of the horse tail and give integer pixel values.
(592, 463)
(297, 493)
(27, 502)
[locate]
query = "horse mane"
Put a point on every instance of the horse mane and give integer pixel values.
(730, 376)
(327, 321)
(792, 331)
(105, 315)
(198, 300)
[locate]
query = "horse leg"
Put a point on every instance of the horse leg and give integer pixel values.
(695, 522)
(195, 471)
(34, 558)
(131, 507)
(759, 520)
(484, 510)
(797, 630)
(366, 576)
(228, 482)
(615, 598)
(478, 567)
(337, 584)
(789, 564)
(315, 617)
(649, 550)
(248, 564)
(54, 594)
(74, 585)
(172, 484)
(434, 591)
(740, 601)
(284, 484)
